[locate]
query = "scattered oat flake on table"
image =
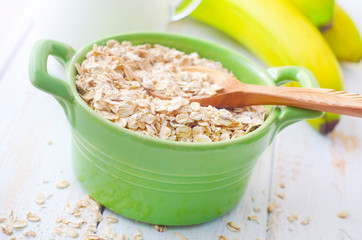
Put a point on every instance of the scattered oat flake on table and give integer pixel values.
(281, 195)
(12, 216)
(271, 207)
(256, 209)
(222, 237)
(91, 236)
(58, 231)
(19, 223)
(2, 219)
(58, 219)
(305, 221)
(6, 228)
(40, 198)
(343, 214)
(45, 180)
(77, 212)
(74, 224)
(253, 218)
(109, 233)
(69, 207)
(292, 218)
(137, 236)
(30, 233)
(70, 232)
(281, 185)
(32, 217)
(110, 219)
(160, 228)
(62, 184)
(233, 227)
(180, 236)
(92, 228)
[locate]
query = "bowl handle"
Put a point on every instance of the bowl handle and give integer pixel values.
(39, 76)
(283, 75)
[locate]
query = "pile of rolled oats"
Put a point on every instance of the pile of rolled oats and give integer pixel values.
(113, 80)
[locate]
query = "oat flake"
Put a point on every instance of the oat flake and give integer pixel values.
(62, 184)
(137, 236)
(281, 195)
(305, 221)
(256, 209)
(222, 237)
(19, 223)
(292, 218)
(271, 207)
(6, 228)
(32, 217)
(160, 228)
(30, 233)
(342, 214)
(70, 232)
(110, 219)
(180, 236)
(40, 198)
(254, 218)
(233, 227)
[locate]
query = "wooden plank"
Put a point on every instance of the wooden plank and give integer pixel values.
(35, 145)
(321, 175)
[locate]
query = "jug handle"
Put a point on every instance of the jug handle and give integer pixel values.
(39, 76)
(184, 9)
(301, 75)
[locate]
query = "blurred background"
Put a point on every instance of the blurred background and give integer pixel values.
(19, 16)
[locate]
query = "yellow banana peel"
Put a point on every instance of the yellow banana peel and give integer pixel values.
(343, 37)
(276, 32)
(319, 12)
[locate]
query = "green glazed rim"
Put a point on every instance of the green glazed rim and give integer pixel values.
(269, 78)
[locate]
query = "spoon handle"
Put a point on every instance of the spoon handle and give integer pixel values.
(321, 99)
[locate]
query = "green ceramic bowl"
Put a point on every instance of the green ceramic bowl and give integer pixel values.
(159, 181)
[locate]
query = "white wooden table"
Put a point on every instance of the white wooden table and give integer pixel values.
(322, 175)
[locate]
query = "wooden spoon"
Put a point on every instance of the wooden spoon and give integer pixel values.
(237, 94)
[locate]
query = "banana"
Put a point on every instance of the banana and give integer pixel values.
(319, 12)
(276, 32)
(344, 38)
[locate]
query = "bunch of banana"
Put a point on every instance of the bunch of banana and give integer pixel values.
(343, 37)
(280, 34)
(319, 12)
(336, 26)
